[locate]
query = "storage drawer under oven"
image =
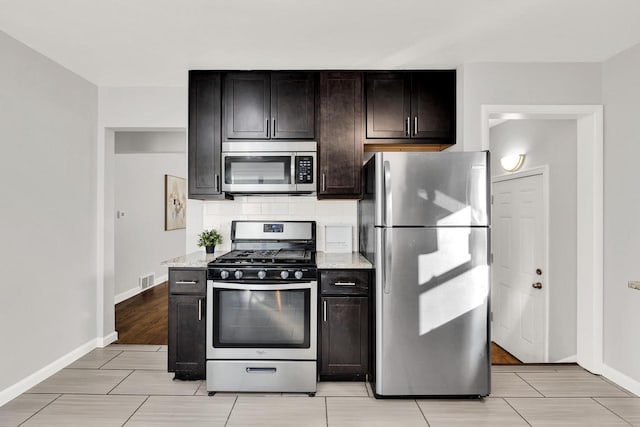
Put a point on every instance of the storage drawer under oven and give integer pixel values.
(344, 282)
(188, 281)
(261, 376)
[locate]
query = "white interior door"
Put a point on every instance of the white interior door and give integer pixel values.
(519, 293)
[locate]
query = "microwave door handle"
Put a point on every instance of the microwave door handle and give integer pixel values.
(292, 172)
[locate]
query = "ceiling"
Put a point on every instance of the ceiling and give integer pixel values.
(154, 42)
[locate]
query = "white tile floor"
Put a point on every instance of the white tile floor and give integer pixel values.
(129, 386)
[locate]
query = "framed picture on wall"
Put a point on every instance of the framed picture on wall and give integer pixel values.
(175, 205)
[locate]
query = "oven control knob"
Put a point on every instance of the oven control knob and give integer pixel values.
(298, 274)
(284, 274)
(238, 274)
(224, 274)
(262, 274)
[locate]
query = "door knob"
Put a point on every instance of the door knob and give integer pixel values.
(537, 285)
(538, 272)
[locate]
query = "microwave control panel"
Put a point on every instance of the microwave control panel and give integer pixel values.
(304, 170)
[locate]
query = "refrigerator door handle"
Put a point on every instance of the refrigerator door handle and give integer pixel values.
(388, 259)
(388, 205)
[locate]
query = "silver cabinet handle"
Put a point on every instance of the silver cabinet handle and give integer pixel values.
(199, 310)
(273, 130)
(187, 282)
(324, 182)
(344, 284)
(324, 310)
(415, 126)
(267, 127)
(408, 126)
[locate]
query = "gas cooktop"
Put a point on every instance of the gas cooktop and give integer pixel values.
(268, 251)
(279, 256)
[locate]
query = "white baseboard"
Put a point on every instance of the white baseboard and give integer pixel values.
(570, 359)
(135, 291)
(106, 340)
(161, 279)
(621, 379)
(25, 384)
(126, 295)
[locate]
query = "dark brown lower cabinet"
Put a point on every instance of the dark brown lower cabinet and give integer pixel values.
(344, 351)
(345, 336)
(187, 323)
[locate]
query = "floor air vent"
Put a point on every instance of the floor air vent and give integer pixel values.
(146, 281)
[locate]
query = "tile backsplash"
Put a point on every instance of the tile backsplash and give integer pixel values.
(219, 214)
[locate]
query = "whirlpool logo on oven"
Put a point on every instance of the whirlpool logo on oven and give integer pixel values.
(261, 351)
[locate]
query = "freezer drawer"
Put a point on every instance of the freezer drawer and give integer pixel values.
(432, 312)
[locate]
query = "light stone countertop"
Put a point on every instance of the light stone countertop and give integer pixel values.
(198, 259)
(326, 260)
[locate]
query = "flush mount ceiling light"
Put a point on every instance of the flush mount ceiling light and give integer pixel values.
(512, 163)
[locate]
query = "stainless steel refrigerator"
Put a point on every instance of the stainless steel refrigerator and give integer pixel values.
(424, 224)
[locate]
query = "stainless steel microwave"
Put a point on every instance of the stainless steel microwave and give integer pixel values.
(269, 167)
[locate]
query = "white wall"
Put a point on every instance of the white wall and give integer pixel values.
(141, 242)
(621, 95)
(219, 214)
(128, 109)
(552, 143)
(48, 123)
(521, 84)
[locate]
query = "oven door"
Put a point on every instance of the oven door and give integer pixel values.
(261, 321)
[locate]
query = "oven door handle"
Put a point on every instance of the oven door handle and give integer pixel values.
(264, 287)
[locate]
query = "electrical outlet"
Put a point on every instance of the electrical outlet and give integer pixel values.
(634, 284)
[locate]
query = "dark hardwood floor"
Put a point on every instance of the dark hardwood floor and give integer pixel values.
(142, 319)
(499, 356)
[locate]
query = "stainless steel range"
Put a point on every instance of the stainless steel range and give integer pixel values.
(262, 309)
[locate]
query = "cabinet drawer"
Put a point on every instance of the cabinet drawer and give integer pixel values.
(344, 282)
(188, 281)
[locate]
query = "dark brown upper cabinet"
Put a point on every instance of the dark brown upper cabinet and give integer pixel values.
(411, 107)
(204, 134)
(340, 141)
(269, 105)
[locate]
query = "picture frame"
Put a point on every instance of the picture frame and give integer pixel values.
(175, 203)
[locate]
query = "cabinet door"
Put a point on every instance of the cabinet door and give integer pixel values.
(388, 105)
(187, 336)
(433, 105)
(246, 105)
(340, 142)
(204, 134)
(344, 334)
(292, 105)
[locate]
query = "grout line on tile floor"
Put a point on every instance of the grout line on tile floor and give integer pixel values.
(134, 412)
(516, 411)
(611, 410)
(529, 384)
(40, 410)
(326, 411)
(114, 356)
(229, 415)
(120, 382)
(423, 415)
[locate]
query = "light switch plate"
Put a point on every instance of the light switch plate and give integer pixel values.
(634, 284)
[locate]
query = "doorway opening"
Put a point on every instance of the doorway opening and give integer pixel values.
(588, 219)
(142, 240)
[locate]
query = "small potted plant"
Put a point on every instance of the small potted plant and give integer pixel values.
(209, 239)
